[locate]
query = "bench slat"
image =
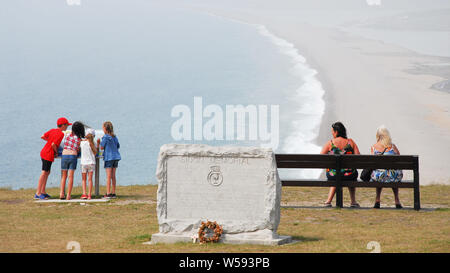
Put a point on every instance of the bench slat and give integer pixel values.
(359, 184)
(305, 161)
(311, 161)
(403, 162)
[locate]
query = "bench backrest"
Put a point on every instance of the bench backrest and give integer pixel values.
(319, 161)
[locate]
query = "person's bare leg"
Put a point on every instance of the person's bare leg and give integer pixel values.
(396, 196)
(44, 183)
(108, 180)
(43, 177)
(113, 180)
(63, 183)
(90, 182)
(331, 195)
(70, 186)
(378, 197)
(352, 191)
(83, 182)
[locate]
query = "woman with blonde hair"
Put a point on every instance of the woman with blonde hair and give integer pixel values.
(384, 146)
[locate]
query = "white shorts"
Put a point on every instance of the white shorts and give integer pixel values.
(87, 168)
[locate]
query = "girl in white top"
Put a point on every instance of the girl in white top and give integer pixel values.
(88, 152)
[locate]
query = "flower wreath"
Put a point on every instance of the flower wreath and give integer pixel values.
(209, 225)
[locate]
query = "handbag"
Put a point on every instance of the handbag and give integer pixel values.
(367, 173)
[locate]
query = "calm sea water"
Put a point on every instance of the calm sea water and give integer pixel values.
(131, 62)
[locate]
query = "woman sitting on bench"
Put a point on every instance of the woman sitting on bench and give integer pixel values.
(385, 146)
(340, 144)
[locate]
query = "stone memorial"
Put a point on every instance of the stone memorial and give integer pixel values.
(238, 187)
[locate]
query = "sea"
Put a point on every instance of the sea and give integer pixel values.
(131, 62)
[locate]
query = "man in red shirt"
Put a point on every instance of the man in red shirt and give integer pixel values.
(53, 138)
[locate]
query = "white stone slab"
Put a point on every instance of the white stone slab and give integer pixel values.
(72, 201)
(238, 187)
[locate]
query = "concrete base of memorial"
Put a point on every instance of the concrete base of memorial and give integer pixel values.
(260, 237)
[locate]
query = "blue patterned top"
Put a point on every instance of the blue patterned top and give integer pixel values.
(382, 175)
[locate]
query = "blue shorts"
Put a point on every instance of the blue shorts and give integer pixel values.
(111, 164)
(68, 162)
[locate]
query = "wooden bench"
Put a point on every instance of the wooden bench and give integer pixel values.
(319, 161)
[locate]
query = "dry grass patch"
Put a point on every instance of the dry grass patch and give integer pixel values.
(122, 225)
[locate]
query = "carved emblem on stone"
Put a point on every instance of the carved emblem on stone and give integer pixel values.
(215, 177)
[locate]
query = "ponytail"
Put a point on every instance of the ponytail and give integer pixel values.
(109, 128)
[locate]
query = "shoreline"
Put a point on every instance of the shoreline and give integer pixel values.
(287, 48)
(368, 83)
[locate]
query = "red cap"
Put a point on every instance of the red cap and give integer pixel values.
(62, 121)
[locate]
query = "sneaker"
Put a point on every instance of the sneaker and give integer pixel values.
(377, 205)
(356, 205)
(84, 196)
(43, 197)
(113, 195)
(36, 196)
(398, 206)
(327, 205)
(46, 195)
(107, 196)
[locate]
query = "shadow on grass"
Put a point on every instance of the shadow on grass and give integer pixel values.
(135, 197)
(305, 239)
(361, 208)
(139, 239)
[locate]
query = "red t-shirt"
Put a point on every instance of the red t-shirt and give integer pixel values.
(52, 136)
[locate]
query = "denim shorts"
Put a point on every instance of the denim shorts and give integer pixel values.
(111, 164)
(68, 162)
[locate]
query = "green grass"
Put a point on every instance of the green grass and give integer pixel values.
(122, 225)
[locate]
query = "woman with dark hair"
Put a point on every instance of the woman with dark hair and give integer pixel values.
(69, 157)
(340, 144)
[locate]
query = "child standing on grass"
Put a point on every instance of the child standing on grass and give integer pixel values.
(69, 157)
(88, 152)
(111, 156)
(53, 138)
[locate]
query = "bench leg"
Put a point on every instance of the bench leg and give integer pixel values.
(416, 185)
(416, 198)
(339, 197)
(97, 177)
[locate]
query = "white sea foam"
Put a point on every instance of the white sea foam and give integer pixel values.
(309, 98)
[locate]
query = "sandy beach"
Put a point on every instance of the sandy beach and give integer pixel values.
(367, 83)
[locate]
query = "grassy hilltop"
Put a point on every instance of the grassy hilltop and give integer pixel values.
(122, 225)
